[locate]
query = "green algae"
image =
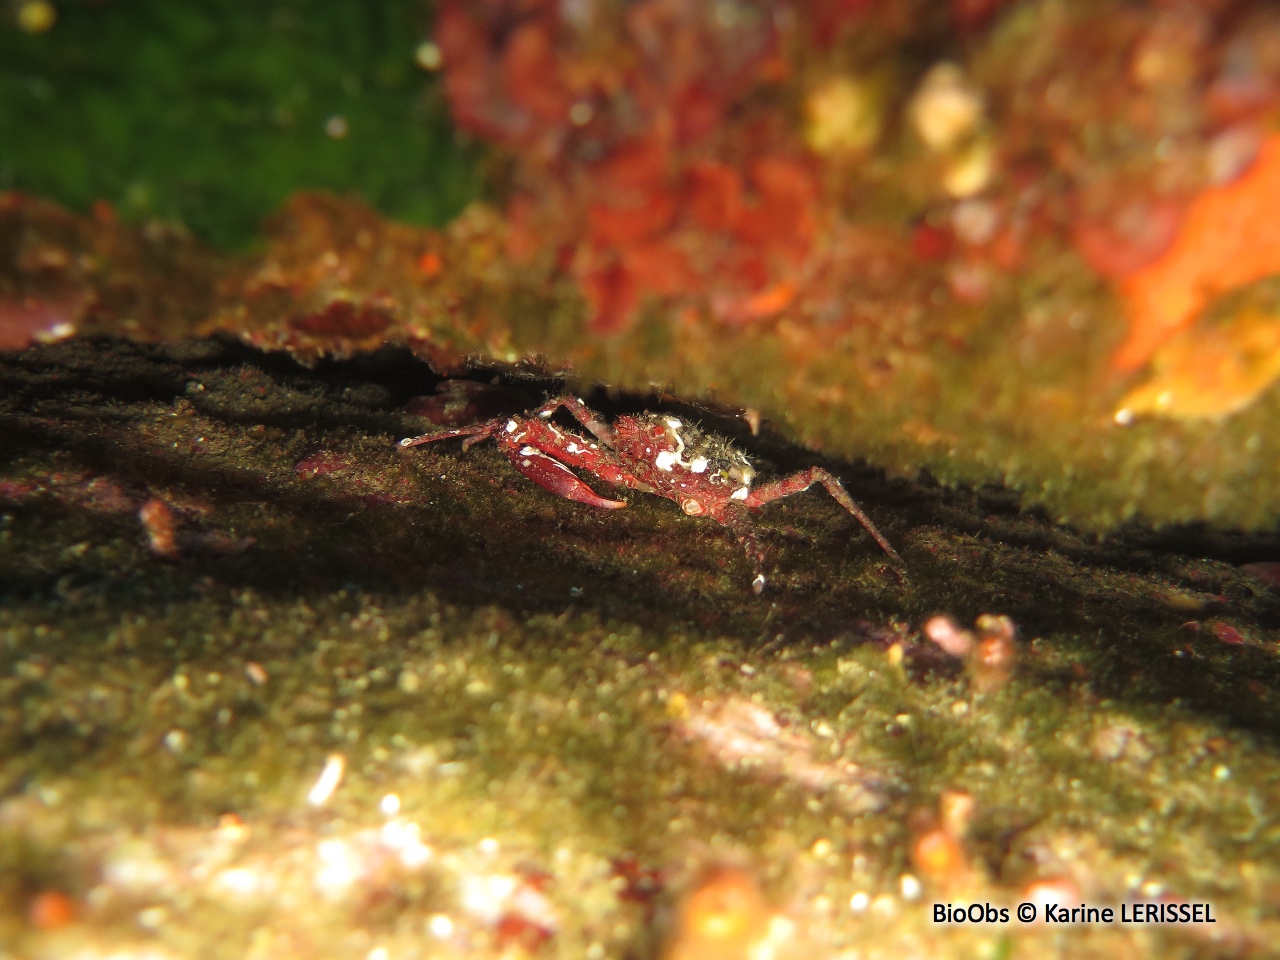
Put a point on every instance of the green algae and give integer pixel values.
(211, 114)
(568, 683)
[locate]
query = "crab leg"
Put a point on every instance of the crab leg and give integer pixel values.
(474, 434)
(520, 439)
(803, 480)
(580, 412)
(736, 519)
(551, 474)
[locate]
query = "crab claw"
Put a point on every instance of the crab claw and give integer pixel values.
(551, 474)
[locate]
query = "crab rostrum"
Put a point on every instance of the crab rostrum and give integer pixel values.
(653, 453)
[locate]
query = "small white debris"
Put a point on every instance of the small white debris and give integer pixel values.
(255, 673)
(673, 423)
(427, 55)
(970, 172)
(59, 331)
(740, 494)
(486, 897)
(511, 426)
(666, 460)
(909, 886)
(945, 108)
(946, 634)
(334, 767)
(338, 870)
(1124, 417)
(377, 953)
(152, 918)
(139, 871)
(488, 846)
(406, 840)
(698, 465)
(859, 902)
(1231, 152)
(175, 740)
(390, 805)
(336, 127)
(239, 881)
(440, 925)
(975, 221)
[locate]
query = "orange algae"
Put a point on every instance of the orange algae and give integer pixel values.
(1230, 236)
(1210, 372)
(724, 917)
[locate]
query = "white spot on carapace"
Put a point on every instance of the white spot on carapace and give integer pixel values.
(544, 414)
(666, 460)
(698, 465)
(511, 426)
(740, 494)
(524, 463)
(574, 448)
(673, 423)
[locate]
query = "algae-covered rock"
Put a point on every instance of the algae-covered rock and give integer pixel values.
(273, 688)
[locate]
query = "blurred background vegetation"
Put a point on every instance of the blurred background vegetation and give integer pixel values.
(210, 114)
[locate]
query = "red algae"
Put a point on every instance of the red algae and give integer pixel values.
(648, 169)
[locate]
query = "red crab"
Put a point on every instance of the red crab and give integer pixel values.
(653, 453)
